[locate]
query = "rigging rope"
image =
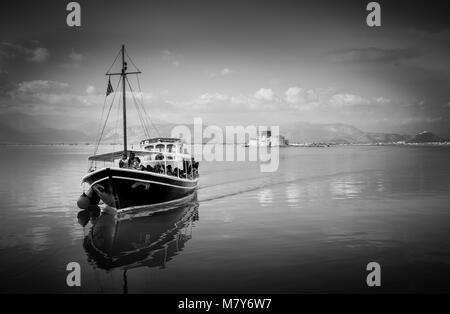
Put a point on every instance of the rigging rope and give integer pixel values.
(116, 134)
(141, 118)
(145, 111)
(107, 116)
(146, 116)
(114, 62)
(131, 60)
(142, 113)
(104, 104)
(101, 118)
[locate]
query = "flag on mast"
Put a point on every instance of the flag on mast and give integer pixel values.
(110, 89)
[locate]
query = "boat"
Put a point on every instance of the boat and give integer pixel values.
(159, 172)
(266, 139)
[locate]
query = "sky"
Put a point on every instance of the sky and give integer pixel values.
(233, 62)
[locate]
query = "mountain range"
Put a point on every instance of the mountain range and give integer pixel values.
(426, 137)
(26, 129)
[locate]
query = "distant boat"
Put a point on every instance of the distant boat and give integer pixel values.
(266, 139)
(159, 172)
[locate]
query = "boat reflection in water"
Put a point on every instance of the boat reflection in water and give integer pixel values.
(132, 241)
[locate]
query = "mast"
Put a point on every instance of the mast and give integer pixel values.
(124, 76)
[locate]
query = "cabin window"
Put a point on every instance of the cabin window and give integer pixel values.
(160, 147)
(151, 147)
(171, 148)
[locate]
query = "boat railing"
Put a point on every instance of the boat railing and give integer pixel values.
(183, 165)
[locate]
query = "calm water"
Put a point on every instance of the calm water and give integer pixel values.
(312, 226)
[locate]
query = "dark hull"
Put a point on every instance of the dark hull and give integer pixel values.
(125, 188)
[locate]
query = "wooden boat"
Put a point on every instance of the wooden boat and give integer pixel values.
(159, 172)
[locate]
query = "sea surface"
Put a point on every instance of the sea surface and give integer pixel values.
(311, 226)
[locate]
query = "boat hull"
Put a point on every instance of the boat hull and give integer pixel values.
(128, 189)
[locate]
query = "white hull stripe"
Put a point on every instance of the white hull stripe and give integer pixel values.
(131, 208)
(136, 171)
(147, 181)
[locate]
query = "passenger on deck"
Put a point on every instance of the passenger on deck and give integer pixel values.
(195, 166)
(137, 164)
(150, 168)
(169, 170)
(131, 160)
(123, 163)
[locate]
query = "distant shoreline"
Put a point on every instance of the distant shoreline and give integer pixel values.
(297, 145)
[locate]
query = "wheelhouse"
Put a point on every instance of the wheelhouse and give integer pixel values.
(163, 145)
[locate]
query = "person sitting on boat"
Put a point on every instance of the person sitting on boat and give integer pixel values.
(169, 170)
(150, 168)
(131, 160)
(195, 167)
(123, 163)
(189, 168)
(137, 164)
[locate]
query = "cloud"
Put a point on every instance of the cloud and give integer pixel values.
(91, 90)
(226, 71)
(207, 101)
(300, 98)
(40, 54)
(218, 102)
(347, 100)
(223, 72)
(371, 54)
(172, 57)
(75, 60)
(45, 96)
(293, 99)
(76, 57)
(383, 100)
(40, 87)
(58, 98)
(265, 94)
(38, 92)
(34, 52)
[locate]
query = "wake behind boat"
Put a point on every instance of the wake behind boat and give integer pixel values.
(159, 172)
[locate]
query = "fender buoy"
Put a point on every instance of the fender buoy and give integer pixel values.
(83, 217)
(83, 201)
